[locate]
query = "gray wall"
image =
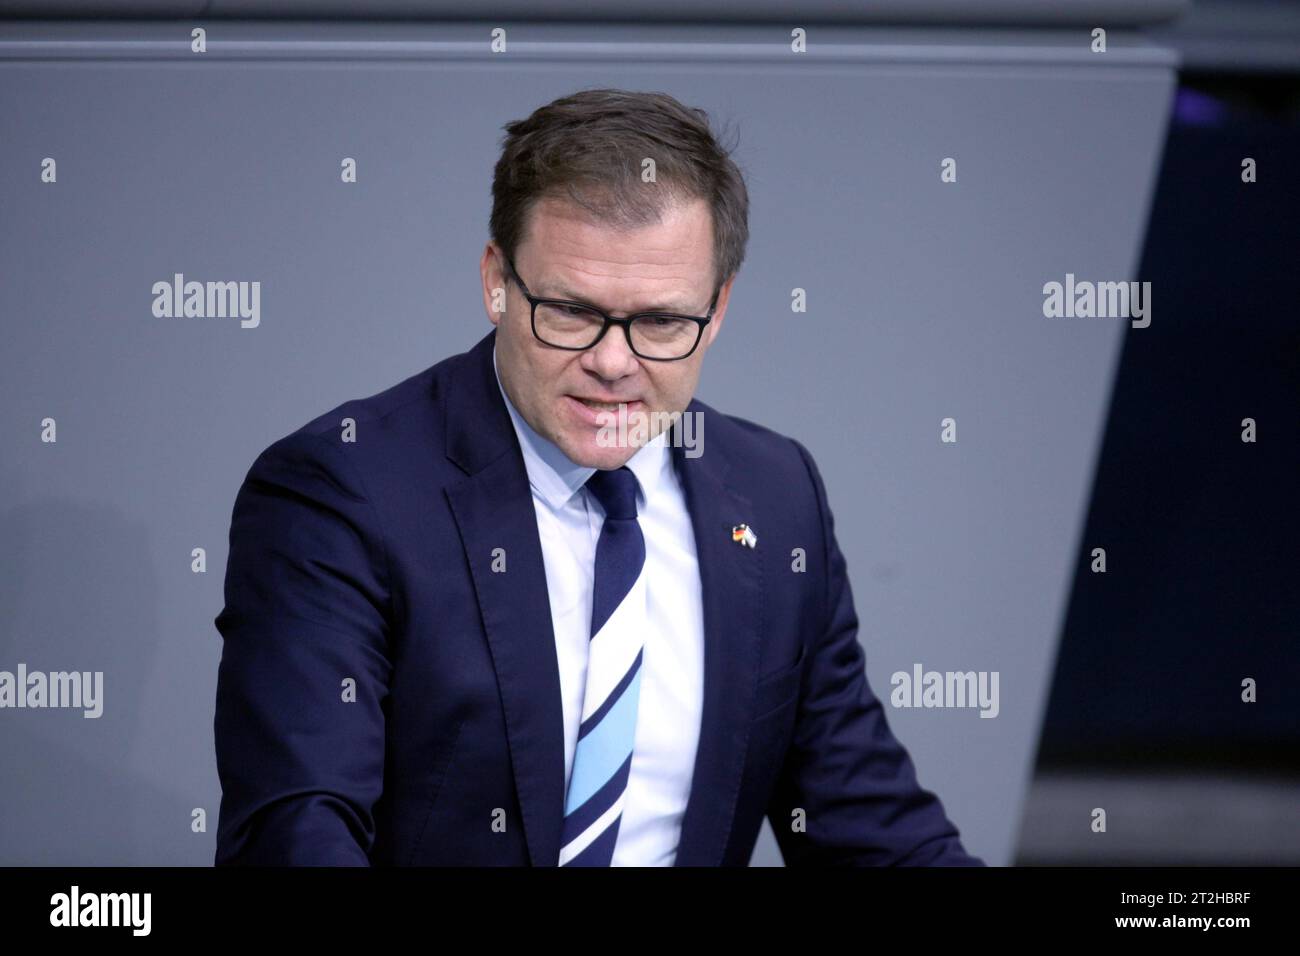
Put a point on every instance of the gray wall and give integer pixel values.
(924, 300)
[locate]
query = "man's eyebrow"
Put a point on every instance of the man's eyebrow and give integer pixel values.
(563, 292)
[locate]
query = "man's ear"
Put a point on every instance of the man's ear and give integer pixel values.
(493, 277)
(720, 310)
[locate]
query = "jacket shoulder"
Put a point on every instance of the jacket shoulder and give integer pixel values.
(749, 446)
(410, 410)
(411, 396)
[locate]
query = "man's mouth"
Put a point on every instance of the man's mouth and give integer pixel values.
(603, 406)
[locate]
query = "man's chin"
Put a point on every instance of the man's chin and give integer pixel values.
(589, 453)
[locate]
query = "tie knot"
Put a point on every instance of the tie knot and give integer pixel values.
(616, 491)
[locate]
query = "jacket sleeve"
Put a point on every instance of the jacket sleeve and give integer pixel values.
(852, 778)
(299, 725)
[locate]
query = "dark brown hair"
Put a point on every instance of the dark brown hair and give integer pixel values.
(588, 148)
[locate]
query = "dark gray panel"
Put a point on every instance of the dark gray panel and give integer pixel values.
(1109, 13)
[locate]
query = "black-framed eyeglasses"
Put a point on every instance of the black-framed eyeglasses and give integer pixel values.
(657, 336)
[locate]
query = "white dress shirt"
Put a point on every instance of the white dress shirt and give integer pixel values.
(569, 519)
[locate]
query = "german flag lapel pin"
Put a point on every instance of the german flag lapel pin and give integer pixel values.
(744, 534)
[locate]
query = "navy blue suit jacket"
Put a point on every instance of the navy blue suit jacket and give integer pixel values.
(371, 561)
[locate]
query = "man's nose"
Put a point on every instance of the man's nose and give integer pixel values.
(610, 358)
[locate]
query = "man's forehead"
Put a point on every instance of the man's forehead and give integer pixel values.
(670, 296)
(558, 276)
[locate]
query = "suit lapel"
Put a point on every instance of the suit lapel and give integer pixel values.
(493, 508)
(732, 591)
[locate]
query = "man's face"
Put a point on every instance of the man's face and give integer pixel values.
(665, 267)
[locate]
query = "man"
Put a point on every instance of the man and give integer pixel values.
(472, 621)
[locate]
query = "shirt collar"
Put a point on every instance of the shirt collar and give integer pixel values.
(556, 477)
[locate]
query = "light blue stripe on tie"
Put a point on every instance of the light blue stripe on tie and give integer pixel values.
(605, 748)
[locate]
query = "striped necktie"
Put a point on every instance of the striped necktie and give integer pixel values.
(593, 805)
